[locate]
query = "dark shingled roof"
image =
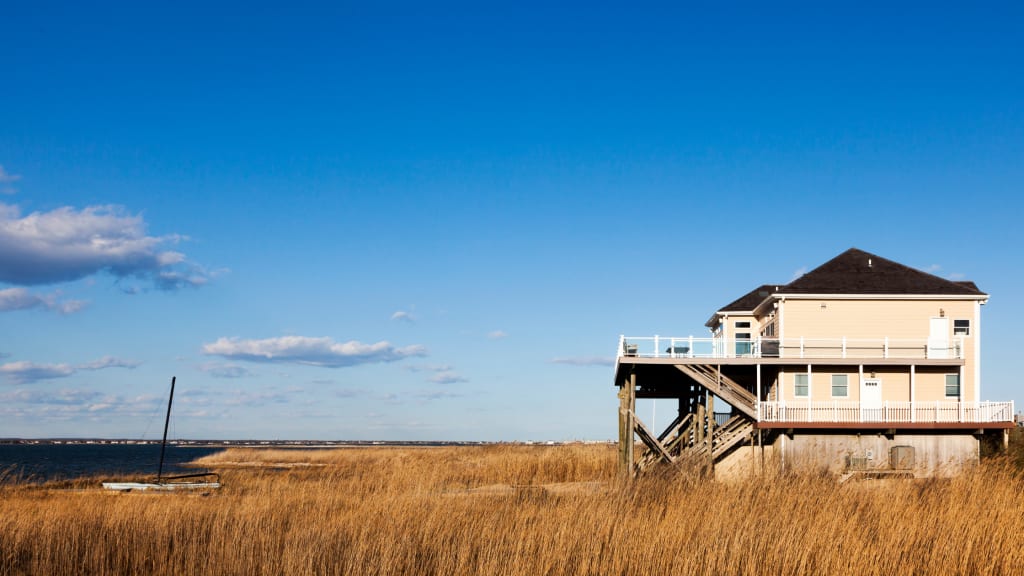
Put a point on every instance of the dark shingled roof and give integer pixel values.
(749, 301)
(858, 272)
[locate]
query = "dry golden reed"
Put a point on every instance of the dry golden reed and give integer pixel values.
(512, 510)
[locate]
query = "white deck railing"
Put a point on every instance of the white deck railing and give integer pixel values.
(867, 348)
(885, 412)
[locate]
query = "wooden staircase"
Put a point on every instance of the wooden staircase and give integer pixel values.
(736, 430)
(679, 442)
(725, 388)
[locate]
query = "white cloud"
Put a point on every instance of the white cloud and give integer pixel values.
(23, 372)
(21, 299)
(447, 377)
(497, 335)
(309, 351)
(404, 316)
(67, 244)
(798, 273)
(67, 404)
(6, 179)
(585, 361)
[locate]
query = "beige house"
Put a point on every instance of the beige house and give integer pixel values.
(860, 366)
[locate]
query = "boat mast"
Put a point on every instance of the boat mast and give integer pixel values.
(167, 422)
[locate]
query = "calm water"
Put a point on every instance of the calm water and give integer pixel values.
(40, 462)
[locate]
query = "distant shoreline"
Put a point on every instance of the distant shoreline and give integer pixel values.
(284, 443)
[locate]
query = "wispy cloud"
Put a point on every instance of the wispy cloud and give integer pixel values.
(222, 370)
(585, 360)
(109, 362)
(428, 367)
(798, 273)
(404, 316)
(256, 398)
(68, 244)
(22, 299)
(442, 373)
(309, 351)
(6, 179)
(430, 396)
(23, 372)
(497, 334)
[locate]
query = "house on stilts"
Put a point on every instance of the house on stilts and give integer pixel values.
(862, 366)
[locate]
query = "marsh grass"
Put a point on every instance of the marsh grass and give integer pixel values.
(512, 510)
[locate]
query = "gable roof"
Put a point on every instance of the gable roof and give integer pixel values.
(859, 272)
(750, 300)
(856, 272)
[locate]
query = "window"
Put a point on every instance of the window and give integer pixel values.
(961, 327)
(840, 385)
(743, 344)
(952, 385)
(743, 324)
(801, 385)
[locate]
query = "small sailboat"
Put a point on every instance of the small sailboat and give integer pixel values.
(196, 481)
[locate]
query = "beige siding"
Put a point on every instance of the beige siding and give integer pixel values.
(878, 319)
(929, 385)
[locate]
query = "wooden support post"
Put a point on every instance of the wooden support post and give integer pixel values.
(711, 435)
(701, 423)
(627, 403)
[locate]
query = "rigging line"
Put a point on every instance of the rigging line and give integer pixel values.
(157, 409)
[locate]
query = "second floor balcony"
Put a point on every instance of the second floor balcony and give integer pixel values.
(791, 348)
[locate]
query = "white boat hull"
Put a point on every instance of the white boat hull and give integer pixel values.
(163, 486)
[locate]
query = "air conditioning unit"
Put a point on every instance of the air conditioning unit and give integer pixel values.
(856, 463)
(901, 457)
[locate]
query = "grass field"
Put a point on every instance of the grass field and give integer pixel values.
(512, 510)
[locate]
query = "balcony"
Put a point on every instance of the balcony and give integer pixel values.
(903, 413)
(790, 348)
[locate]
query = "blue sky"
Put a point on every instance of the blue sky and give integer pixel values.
(438, 218)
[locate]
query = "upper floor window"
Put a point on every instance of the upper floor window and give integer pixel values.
(801, 385)
(840, 385)
(961, 327)
(743, 324)
(952, 385)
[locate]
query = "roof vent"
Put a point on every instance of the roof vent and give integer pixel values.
(869, 262)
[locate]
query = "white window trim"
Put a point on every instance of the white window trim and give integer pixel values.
(833, 386)
(959, 386)
(808, 385)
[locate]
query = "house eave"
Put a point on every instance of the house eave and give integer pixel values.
(791, 296)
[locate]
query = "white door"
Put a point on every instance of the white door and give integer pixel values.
(938, 338)
(871, 401)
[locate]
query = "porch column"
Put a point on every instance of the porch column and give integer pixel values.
(860, 391)
(758, 405)
(913, 397)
